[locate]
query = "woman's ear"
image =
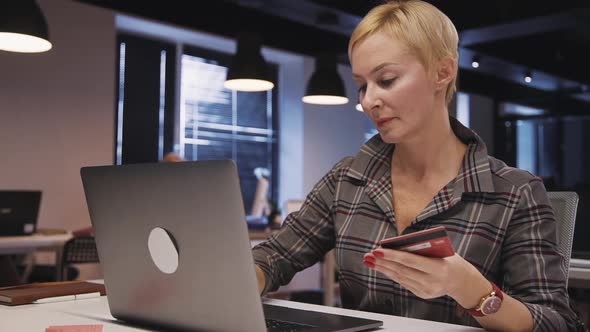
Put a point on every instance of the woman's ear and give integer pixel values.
(445, 73)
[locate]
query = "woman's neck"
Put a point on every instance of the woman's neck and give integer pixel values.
(435, 151)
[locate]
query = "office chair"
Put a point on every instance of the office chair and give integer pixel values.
(78, 250)
(565, 206)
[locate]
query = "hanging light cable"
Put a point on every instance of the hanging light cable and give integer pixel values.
(23, 28)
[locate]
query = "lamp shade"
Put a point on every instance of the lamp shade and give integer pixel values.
(325, 87)
(248, 70)
(23, 28)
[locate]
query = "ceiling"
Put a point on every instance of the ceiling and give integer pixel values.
(551, 39)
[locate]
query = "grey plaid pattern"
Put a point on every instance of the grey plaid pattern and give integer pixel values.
(498, 218)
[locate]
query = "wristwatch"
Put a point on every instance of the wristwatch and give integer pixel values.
(489, 304)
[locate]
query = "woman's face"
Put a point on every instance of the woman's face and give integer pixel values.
(395, 90)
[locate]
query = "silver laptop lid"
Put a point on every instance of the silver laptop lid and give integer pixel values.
(206, 291)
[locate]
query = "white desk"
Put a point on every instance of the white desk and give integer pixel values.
(10, 245)
(579, 277)
(36, 317)
(25, 244)
(579, 273)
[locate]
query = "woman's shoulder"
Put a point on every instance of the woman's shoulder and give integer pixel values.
(345, 162)
(343, 165)
(504, 175)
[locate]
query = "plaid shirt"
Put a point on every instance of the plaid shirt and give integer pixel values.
(498, 218)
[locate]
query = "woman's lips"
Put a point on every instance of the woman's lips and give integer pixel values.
(384, 121)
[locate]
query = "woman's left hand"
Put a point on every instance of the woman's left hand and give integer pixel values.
(429, 277)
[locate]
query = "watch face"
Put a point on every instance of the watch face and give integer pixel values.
(491, 305)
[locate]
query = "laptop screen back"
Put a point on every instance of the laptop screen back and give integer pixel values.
(199, 205)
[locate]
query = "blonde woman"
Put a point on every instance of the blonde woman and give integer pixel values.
(424, 169)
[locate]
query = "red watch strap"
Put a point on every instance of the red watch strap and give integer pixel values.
(477, 310)
(498, 291)
(475, 313)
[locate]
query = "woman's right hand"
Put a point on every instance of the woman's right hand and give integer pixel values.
(261, 279)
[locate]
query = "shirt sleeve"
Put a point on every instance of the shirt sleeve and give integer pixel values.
(305, 237)
(534, 270)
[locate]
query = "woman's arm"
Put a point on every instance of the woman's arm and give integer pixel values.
(453, 276)
(305, 236)
(533, 271)
(533, 268)
(469, 290)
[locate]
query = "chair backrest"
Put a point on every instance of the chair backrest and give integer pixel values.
(80, 250)
(565, 205)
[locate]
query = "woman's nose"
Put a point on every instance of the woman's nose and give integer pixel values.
(370, 100)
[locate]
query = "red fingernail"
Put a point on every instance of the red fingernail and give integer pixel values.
(370, 259)
(379, 254)
(369, 264)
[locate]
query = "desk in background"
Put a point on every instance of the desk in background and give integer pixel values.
(36, 317)
(579, 273)
(14, 245)
(579, 277)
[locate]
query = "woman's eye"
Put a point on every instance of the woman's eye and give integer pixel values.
(362, 89)
(387, 82)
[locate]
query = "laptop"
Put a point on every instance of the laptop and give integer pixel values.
(18, 212)
(175, 252)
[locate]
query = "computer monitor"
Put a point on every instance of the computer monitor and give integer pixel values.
(19, 210)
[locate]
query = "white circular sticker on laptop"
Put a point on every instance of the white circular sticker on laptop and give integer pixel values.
(163, 251)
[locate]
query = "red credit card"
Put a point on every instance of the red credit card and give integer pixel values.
(432, 242)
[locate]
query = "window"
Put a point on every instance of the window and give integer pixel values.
(526, 143)
(369, 134)
(216, 123)
(463, 108)
(145, 101)
(213, 122)
(536, 146)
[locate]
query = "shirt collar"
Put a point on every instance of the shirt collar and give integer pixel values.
(373, 160)
(475, 174)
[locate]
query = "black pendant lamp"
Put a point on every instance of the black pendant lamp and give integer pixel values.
(248, 70)
(23, 27)
(325, 87)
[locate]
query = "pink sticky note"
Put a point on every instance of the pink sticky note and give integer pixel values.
(75, 328)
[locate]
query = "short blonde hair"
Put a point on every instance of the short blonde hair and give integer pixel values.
(428, 33)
